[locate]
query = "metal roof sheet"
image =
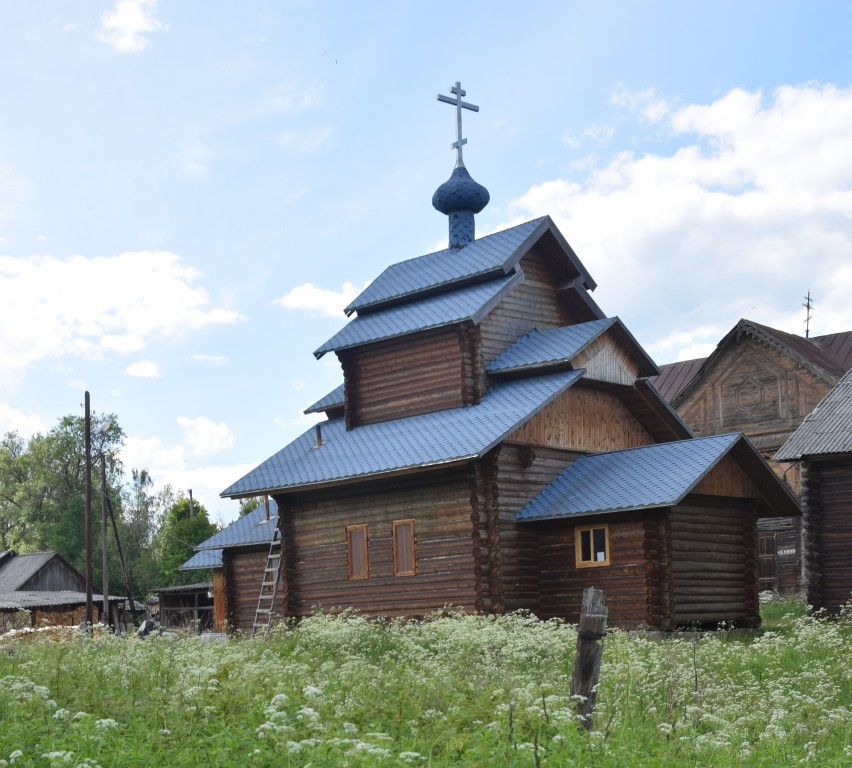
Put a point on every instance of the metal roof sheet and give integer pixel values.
(675, 376)
(250, 529)
(838, 346)
(638, 478)
(468, 303)
(549, 347)
(426, 440)
(201, 586)
(489, 255)
(827, 429)
(333, 399)
(203, 560)
(17, 570)
(24, 600)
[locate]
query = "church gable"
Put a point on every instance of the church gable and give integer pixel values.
(752, 387)
(584, 419)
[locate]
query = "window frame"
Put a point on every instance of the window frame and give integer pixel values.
(396, 564)
(350, 531)
(578, 546)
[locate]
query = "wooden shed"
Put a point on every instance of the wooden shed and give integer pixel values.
(473, 378)
(43, 588)
(823, 445)
(763, 382)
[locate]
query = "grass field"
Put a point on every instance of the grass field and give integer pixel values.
(454, 690)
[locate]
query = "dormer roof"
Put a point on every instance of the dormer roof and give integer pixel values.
(486, 258)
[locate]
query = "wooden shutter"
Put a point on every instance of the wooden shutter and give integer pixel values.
(403, 548)
(356, 543)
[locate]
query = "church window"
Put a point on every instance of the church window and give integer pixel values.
(592, 546)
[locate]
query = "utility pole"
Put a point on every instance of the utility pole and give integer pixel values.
(105, 615)
(87, 429)
(190, 502)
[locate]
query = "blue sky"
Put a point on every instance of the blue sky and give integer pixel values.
(190, 192)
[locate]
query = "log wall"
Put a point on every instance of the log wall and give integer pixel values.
(220, 601)
(714, 562)
(445, 550)
(531, 305)
(623, 581)
(584, 419)
(243, 570)
(828, 533)
(519, 473)
(427, 372)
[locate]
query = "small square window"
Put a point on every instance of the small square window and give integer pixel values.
(403, 548)
(358, 552)
(592, 546)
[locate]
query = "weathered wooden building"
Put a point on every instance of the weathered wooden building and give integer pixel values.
(496, 445)
(823, 445)
(763, 382)
(44, 588)
(237, 556)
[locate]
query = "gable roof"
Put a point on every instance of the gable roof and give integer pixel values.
(428, 440)
(828, 357)
(249, 530)
(648, 477)
(203, 560)
(827, 429)
(469, 303)
(334, 399)
(487, 257)
(556, 347)
(19, 569)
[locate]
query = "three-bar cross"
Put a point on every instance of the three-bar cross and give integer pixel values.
(459, 105)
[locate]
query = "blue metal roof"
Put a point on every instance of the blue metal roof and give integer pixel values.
(333, 399)
(248, 530)
(490, 255)
(638, 478)
(827, 429)
(205, 559)
(427, 440)
(549, 347)
(468, 303)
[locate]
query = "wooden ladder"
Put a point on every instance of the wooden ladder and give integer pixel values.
(268, 586)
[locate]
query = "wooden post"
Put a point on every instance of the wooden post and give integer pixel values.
(587, 666)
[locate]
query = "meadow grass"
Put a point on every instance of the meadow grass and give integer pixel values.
(452, 690)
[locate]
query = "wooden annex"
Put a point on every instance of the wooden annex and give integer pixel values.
(823, 445)
(763, 382)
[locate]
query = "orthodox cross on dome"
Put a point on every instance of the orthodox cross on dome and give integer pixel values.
(459, 105)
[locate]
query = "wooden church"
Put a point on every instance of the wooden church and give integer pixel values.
(496, 445)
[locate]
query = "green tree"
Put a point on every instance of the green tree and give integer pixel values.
(43, 485)
(182, 529)
(250, 504)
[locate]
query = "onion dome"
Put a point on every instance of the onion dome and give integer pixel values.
(459, 198)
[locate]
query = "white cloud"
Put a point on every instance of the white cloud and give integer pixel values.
(305, 141)
(14, 420)
(646, 103)
(127, 26)
(131, 299)
(205, 436)
(319, 301)
(194, 160)
(752, 210)
(212, 359)
(144, 369)
(168, 465)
